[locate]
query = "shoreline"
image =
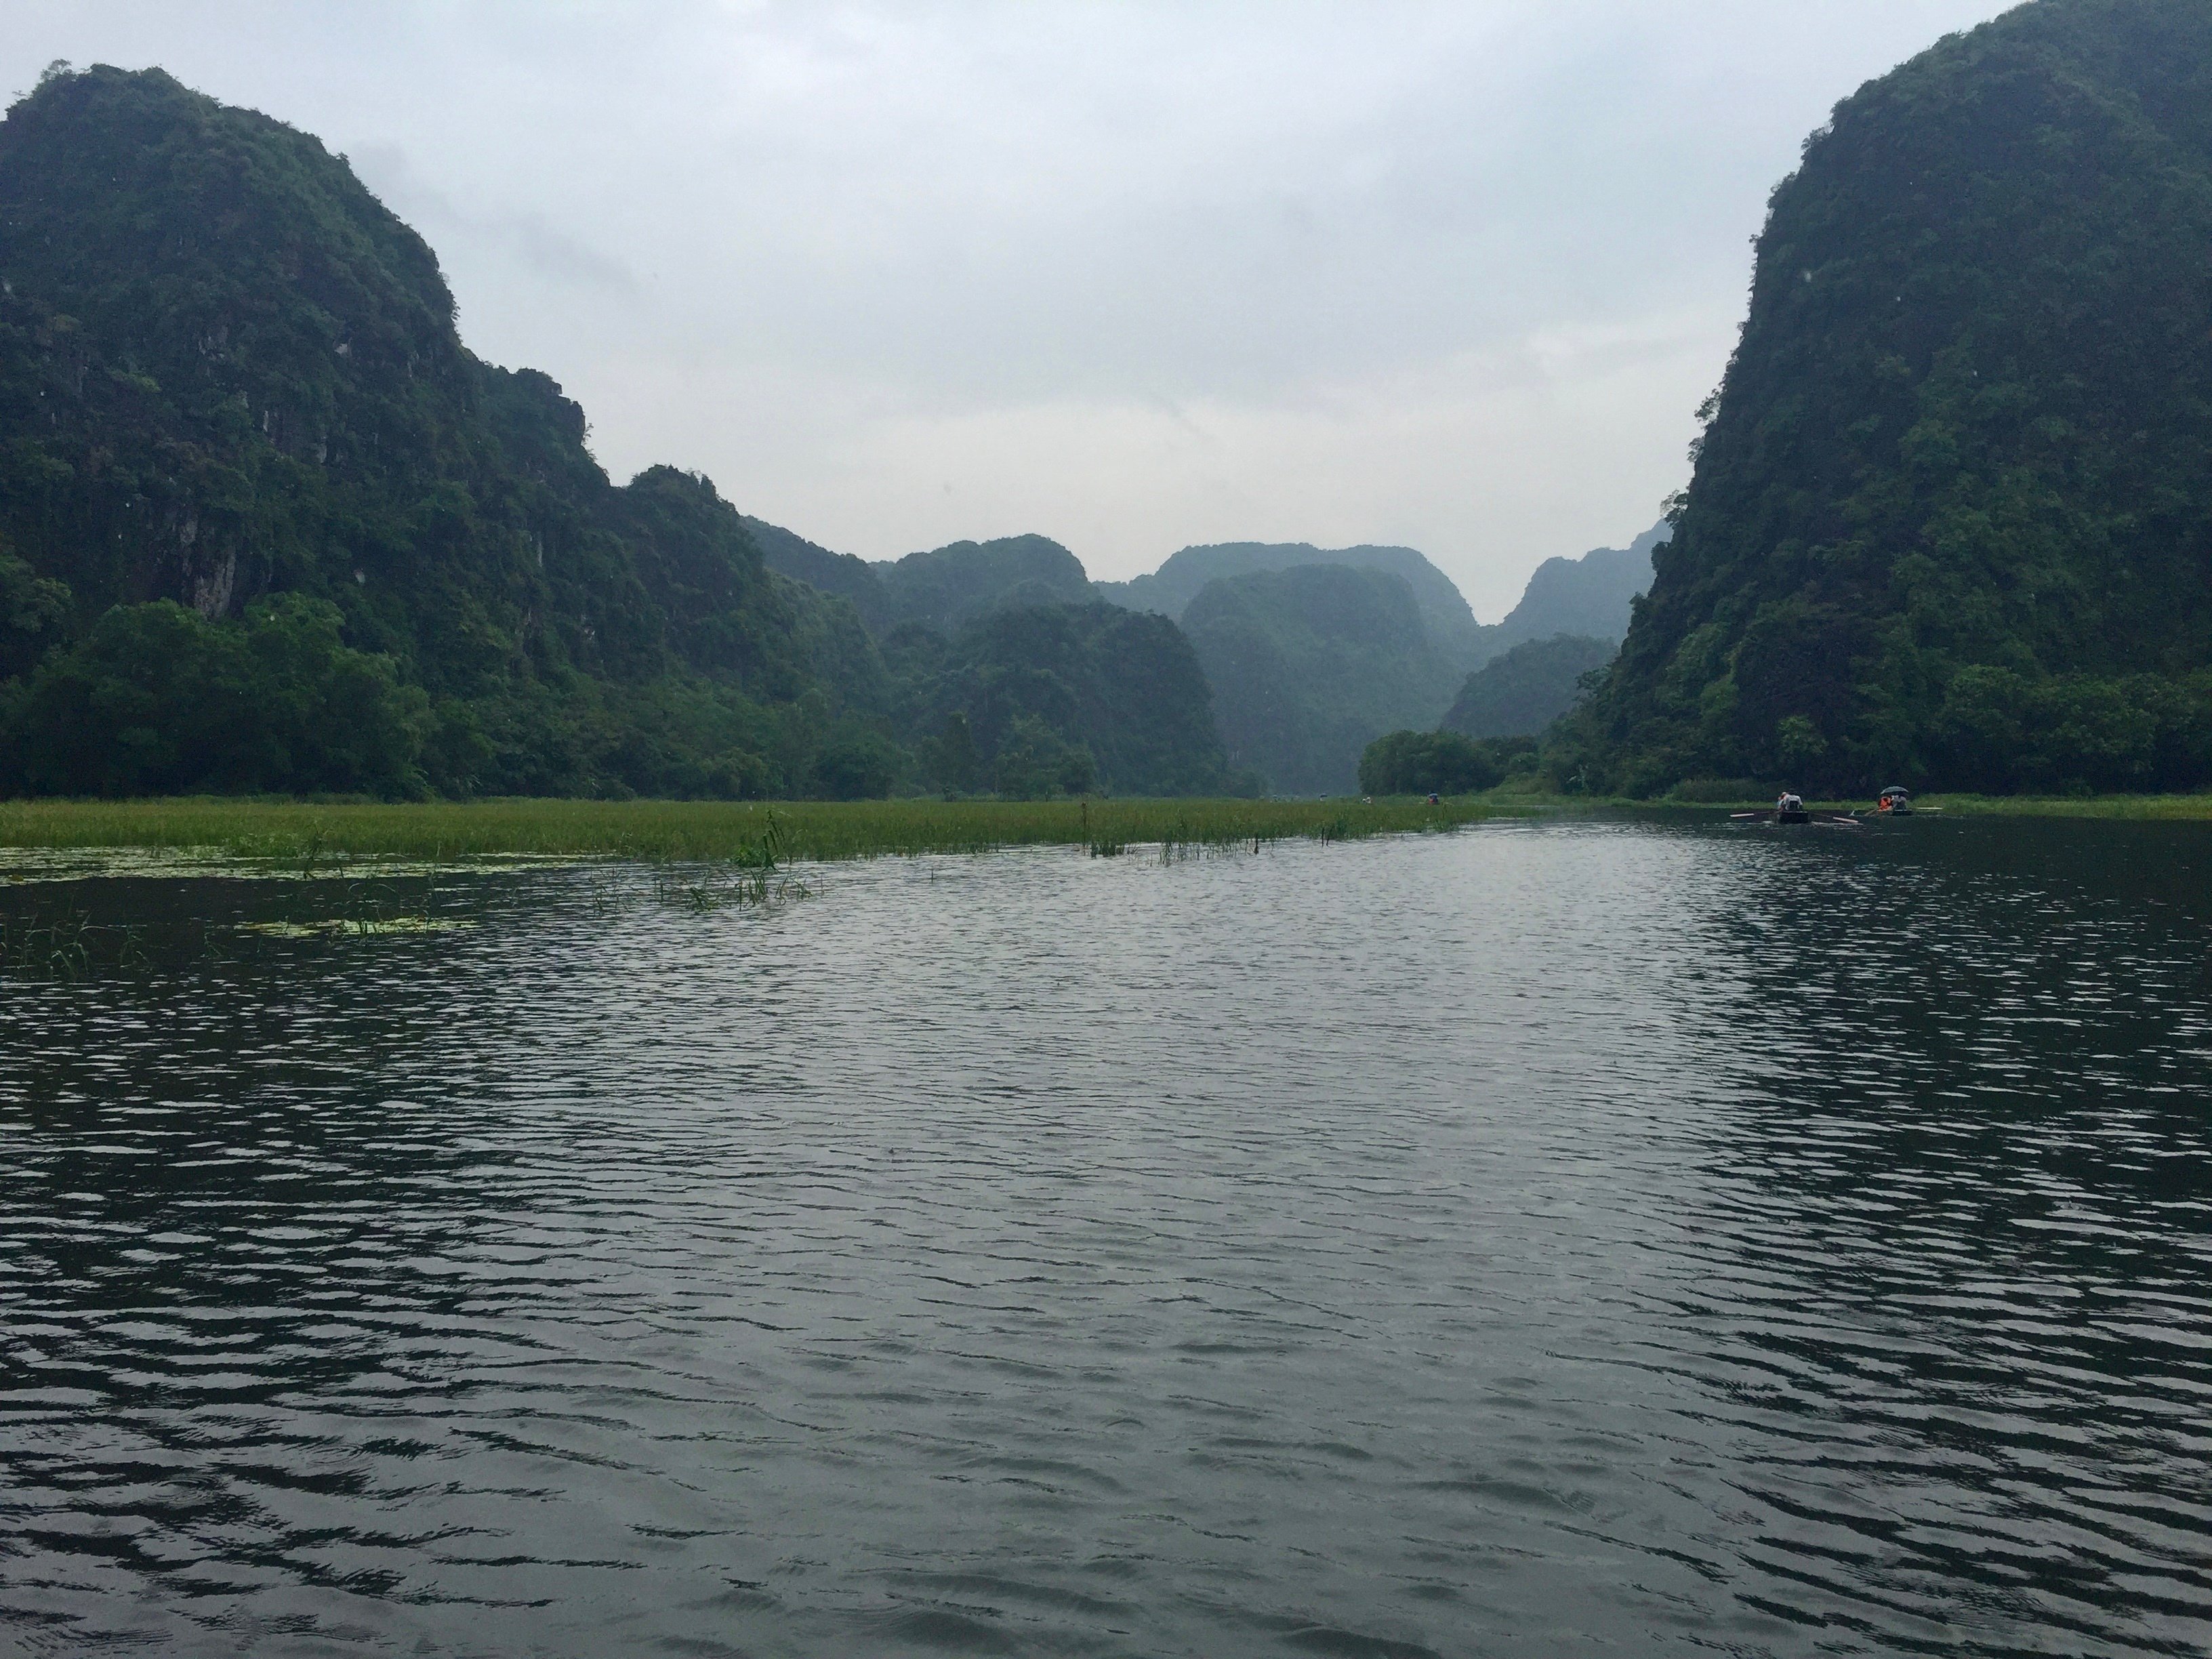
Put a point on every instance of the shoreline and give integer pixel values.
(756, 832)
(2142, 809)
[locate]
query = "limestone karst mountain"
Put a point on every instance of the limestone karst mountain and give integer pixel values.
(1951, 517)
(230, 380)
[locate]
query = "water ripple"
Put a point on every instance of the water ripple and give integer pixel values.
(1523, 1241)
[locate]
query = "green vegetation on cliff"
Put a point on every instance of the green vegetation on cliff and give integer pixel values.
(949, 585)
(940, 589)
(1951, 519)
(246, 463)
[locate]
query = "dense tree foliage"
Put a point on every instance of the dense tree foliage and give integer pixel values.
(839, 575)
(1951, 520)
(949, 586)
(1440, 763)
(1521, 693)
(227, 373)
(156, 699)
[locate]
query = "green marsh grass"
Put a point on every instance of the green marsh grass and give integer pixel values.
(66, 944)
(2137, 808)
(2177, 808)
(314, 837)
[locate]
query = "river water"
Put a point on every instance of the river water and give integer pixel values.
(1539, 1239)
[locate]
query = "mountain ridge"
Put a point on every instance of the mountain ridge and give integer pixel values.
(256, 495)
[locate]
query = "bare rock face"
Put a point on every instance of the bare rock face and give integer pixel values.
(214, 589)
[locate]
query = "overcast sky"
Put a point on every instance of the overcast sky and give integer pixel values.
(1132, 276)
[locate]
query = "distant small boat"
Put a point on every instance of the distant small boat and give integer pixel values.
(1895, 802)
(1778, 815)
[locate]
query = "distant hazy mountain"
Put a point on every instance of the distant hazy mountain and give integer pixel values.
(1588, 596)
(1170, 589)
(949, 585)
(1310, 653)
(1011, 675)
(1042, 684)
(942, 588)
(1519, 694)
(1309, 665)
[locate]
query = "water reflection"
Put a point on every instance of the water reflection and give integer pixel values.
(1516, 1241)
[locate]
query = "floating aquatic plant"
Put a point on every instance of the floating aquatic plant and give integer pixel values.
(67, 944)
(750, 875)
(357, 927)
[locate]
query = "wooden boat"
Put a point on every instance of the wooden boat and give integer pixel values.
(1794, 815)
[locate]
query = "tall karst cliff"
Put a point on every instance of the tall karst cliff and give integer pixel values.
(229, 378)
(1951, 519)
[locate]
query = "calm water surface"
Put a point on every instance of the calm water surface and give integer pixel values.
(1537, 1240)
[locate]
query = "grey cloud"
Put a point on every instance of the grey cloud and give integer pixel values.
(529, 239)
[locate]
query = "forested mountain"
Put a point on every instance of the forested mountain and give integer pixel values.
(948, 587)
(1010, 678)
(841, 576)
(941, 589)
(1519, 694)
(1310, 664)
(1308, 670)
(1169, 590)
(1064, 698)
(1311, 651)
(253, 489)
(266, 523)
(1590, 596)
(1951, 519)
